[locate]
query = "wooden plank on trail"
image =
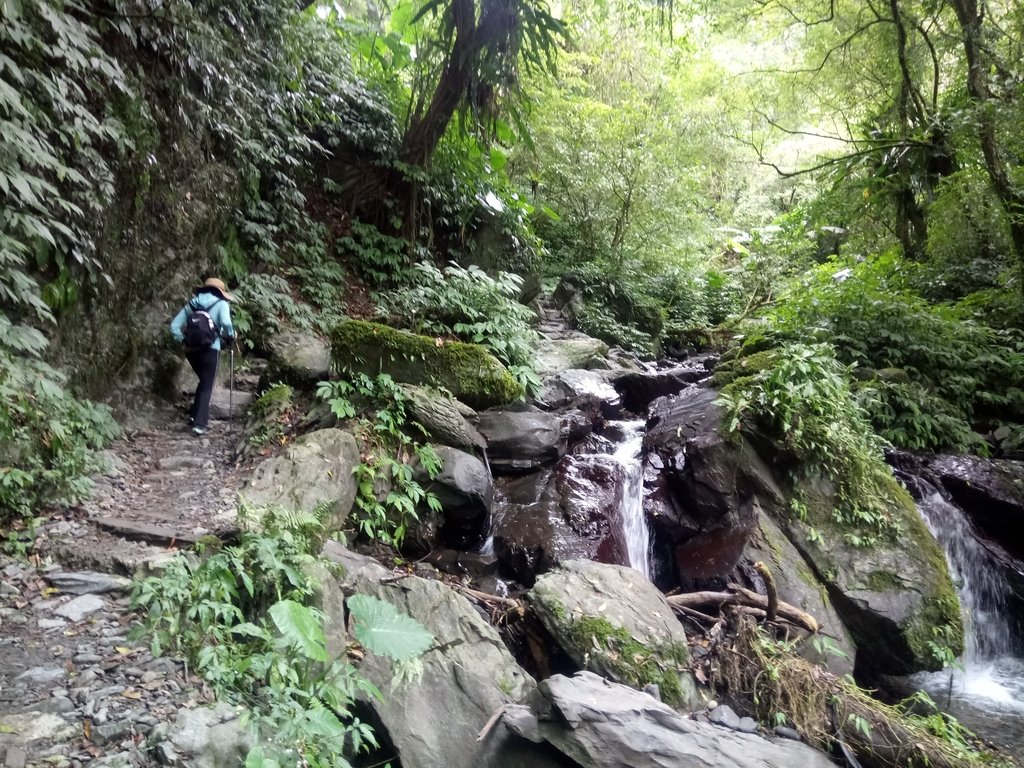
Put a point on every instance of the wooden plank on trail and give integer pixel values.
(158, 534)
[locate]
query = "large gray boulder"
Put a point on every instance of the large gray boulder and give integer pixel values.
(895, 596)
(298, 357)
(703, 491)
(521, 441)
(611, 620)
(554, 355)
(467, 676)
(316, 469)
(446, 420)
(211, 737)
(600, 724)
(705, 494)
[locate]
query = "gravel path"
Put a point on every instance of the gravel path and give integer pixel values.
(74, 690)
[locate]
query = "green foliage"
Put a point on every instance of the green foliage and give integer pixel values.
(382, 629)
(933, 377)
(801, 396)
(54, 169)
(962, 744)
(268, 416)
(382, 259)
(388, 496)
(48, 438)
(470, 305)
(242, 616)
(265, 305)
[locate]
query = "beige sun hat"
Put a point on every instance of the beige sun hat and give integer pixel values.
(217, 284)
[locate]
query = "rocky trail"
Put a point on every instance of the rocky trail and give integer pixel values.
(75, 690)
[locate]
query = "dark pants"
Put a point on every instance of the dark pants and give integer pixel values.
(204, 363)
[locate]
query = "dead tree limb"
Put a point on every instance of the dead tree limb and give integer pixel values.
(740, 596)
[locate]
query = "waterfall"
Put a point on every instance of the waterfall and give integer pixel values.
(988, 673)
(634, 522)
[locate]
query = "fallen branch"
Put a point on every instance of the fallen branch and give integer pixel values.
(489, 599)
(697, 615)
(744, 597)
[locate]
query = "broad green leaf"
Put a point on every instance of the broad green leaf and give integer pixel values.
(300, 628)
(382, 629)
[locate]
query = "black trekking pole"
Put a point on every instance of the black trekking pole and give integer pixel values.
(231, 388)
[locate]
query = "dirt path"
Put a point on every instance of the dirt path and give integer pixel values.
(74, 690)
(168, 487)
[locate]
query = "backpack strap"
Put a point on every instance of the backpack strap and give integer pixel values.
(196, 308)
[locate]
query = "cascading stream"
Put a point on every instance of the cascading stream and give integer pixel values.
(634, 522)
(989, 676)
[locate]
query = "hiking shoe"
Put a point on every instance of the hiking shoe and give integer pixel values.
(199, 430)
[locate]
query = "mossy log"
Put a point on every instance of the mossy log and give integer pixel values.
(763, 678)
(468, 371)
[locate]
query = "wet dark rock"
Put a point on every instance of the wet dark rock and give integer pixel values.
(570, 513)
(640, 389)
(521, 441)
(702, 491)
(990, 491)
(463, 486)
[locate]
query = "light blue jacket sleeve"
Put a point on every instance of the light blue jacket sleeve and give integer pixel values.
(221, 315)
(178, 324)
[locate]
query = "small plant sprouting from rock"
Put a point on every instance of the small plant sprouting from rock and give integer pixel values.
(387, 492)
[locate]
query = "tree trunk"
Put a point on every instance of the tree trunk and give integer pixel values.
(970, 19)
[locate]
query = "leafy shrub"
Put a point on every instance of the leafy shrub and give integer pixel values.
(599, 322)
(387, 494)
(382, 259)
(48, 438)
(801, 396)
(241, 614)
(265, 304)
(964, 376)
(470, 305)
(56, 172)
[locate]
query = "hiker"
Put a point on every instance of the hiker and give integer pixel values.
(200, 326)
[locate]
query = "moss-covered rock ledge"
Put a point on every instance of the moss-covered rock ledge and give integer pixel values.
(470, 372)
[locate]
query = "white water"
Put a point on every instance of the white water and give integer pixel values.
(634, 522)
(989, 676)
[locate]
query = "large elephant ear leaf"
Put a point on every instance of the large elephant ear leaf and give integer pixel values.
(381, 628)
(301, 629)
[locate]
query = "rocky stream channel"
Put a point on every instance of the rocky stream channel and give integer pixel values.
(612, 487)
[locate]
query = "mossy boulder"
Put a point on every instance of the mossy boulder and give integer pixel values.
(895, 596)
(468, 371)
(612, 621)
